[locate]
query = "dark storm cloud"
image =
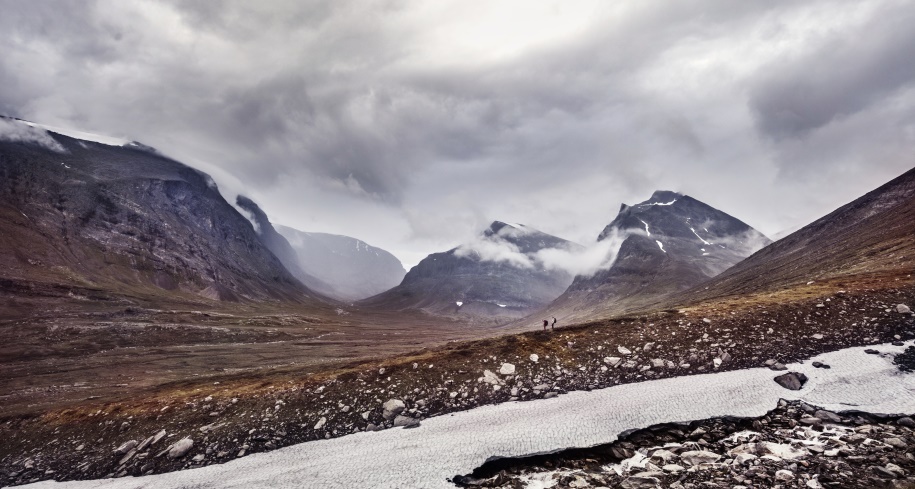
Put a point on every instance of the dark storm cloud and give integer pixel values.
(841, 74)
(414, 124)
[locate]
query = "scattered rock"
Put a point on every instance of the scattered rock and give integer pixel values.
(125, 447)
(906, 421)
(394, 407)
(180, 448)
(406, 422)
(320, 424)
(828, 416)
(534, 357)
(696, 457)
(784, 475)
(636, 482)
(612, 361)
(507, 369)
(491, 378)
(792, 380)
(623, 350)
(871, 351)
(903, 309)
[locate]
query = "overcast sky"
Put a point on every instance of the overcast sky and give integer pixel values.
(413, 124)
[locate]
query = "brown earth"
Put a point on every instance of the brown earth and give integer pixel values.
(230, 414)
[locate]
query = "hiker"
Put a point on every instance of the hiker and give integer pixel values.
(545, 323)
(553, 326)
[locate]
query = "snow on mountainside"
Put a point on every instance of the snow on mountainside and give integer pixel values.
(666, 244)
(505, 272)
(353, 268)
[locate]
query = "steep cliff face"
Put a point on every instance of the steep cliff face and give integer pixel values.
(127, 221)
(494, 277)
(280, 247)
(669, 243)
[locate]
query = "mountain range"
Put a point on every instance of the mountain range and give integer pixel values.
(497, 275)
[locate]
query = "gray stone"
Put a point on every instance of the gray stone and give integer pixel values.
(906, 421)
(180, 448)
(792, 380)
(903, 309)
(784, 475)
(895, 442)
(696, 457)
(126, 447)
(665, 456)
(640, 483)
(828, 416)
(507, 369)
(406, 422)
(393, 407)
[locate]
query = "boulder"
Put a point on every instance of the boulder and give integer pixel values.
(126, 447)
(792, 380)
(392, 408)
(406, 422)
(507, 369)
(784, 475)
(903, 309)
(490, 378)
(612, 361)
(828, 416)
(180, 448)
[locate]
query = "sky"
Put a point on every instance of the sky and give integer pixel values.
(414, 124)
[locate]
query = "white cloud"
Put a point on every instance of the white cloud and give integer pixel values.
(15, 131)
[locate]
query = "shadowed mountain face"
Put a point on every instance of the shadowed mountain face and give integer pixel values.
(352, 268)
(669, 243)
(126, 221)
(280, 247)
(493, 277)
(872, 234)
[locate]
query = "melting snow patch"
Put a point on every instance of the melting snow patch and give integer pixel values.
(660, 245)
(501, 305)
(459, 303)
(458, 443)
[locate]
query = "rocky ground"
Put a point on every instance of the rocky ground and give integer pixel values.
(196, 424)
(794, 446)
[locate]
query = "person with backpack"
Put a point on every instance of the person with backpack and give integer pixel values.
(545, 324)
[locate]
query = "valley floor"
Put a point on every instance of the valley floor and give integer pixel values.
(232, 417)
(431, 454)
